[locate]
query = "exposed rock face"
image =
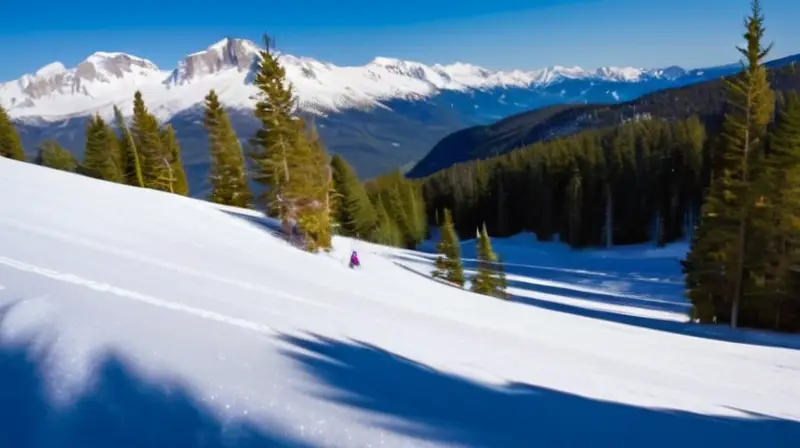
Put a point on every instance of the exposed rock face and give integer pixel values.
(99, 67)
(225, 54)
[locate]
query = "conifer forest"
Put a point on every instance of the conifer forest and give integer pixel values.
(729, 184)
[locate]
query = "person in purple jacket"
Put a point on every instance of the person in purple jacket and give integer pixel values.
(354, 260)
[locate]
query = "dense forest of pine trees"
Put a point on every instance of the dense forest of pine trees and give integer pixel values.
(732, 190)
(639, 181)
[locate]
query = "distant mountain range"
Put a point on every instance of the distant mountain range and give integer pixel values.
(705, 100)
(386, 114)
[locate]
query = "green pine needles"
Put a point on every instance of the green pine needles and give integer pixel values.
(10, 143)
(228, 171)
(490, 278)
(448, 265)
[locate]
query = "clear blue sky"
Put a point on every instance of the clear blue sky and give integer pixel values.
(499, 34)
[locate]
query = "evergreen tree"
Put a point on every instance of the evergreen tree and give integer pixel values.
(172, 151)
(386, 231)
(52, 155)
(314, 186)
(776, 229)
(129, 155)
(721, 248)
(490, 277)
(275, 143)
(157, 171)
(448, 264)
(228, 173)
(10, 143)
(354, 212)
(289, 158)
(101, 157)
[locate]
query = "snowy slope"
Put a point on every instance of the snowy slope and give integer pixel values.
(130, 317)
(104, 79)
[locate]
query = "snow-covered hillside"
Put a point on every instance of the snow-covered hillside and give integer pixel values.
(130, 317)
(104, 79)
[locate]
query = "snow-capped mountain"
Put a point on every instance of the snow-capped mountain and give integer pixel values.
(105, 79)
(385, 114)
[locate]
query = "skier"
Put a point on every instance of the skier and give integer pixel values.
(354, 263)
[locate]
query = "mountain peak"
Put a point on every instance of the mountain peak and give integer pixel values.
(51, 69)
(228, 53)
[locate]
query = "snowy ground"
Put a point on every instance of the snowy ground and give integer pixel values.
(130, 317)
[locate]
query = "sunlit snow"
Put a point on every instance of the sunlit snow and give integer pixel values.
(130, 317)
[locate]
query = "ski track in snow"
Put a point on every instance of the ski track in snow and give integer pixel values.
(144, 298)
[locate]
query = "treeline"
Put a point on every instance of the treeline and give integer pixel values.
(640, 181)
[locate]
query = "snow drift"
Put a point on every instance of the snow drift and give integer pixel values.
(130, 317)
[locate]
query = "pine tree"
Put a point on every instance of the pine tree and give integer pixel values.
(228, 173)
(716, 266)
(172, 151)
(354, 212)
(490, 278)
(275, 143)
(289, 158)
(386, 231)
(157, 171)
(448, 265)
(10, 143)
(52, 155)
(313, 185)
(101, 157)
(777, 223)
(129, 155)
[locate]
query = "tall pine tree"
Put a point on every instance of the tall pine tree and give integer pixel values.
(490, 277)
(386, 232)
(716, 265)
(314, 187)
(275, 143)
(101, 157)
(448, 265)
(157, 170)
(228, 173)
(10, 143)
(777, 224)
(172, 152)
(289, 159)
(131, 160)
(354, 212)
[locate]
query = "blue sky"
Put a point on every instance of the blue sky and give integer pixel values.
(500, 34)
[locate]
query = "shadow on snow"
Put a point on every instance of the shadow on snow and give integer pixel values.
(119, 409)
(410, 398)
(661, 303)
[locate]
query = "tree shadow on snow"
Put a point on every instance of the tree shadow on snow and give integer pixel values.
(118, 410)
(271, 225)
(410, 398)
(715, 332)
